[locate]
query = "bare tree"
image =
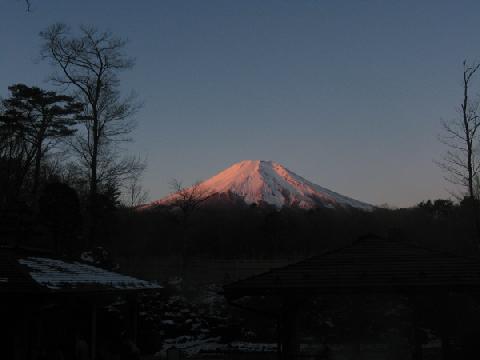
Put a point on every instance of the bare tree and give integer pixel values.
(89, 64)
(123, 174)
(461, 137)
(134, 194)
(188, 200)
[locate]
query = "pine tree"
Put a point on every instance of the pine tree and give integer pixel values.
(44, 118)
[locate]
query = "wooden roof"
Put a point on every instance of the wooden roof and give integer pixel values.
(13, 278)
(370, 264)
(24, 273)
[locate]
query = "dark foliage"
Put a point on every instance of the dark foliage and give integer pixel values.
(33, 123)
(258, 232)
(60, 214)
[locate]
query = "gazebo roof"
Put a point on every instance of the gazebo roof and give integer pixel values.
(369, 264)
(27, 273)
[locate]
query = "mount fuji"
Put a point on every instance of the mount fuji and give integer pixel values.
(267, 182)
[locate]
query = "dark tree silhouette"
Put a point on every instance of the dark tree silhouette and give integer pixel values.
(461, 136)
(135, 195)
(46, 118)
(15, 158)
(60, 213)
(188, 200)
(89, 64)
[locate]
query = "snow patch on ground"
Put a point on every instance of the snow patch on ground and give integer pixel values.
(191, 346)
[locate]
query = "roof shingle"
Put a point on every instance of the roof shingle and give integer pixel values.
(20, 273)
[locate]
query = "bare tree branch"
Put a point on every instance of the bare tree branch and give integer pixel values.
(460, 135)
(89, 63)
(188, 199)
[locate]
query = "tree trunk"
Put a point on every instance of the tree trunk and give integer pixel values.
(469, 133)
(36, 173)
(93, 213)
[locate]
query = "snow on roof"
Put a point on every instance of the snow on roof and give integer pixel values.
(59, 275)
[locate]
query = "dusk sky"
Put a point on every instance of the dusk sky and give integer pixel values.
(348, 94)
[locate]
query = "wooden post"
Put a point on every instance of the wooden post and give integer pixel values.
(446, 349)
(447, 307)
(417, 342)
(134, 318)
(279, 338)
(288, 330)
(417, 351)
(30, 331)
(93, 334)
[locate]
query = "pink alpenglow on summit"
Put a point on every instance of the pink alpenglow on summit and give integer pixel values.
(267, 182)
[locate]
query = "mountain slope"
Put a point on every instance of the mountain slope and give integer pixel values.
(267, 182)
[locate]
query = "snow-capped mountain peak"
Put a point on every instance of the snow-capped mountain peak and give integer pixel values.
(267, 182)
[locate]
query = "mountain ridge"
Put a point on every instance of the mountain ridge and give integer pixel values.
(268, 182)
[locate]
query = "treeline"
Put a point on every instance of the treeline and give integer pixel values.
(67, 185)
(63, 170)
(252, 231)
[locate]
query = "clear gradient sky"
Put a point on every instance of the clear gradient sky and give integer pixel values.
(348, 94)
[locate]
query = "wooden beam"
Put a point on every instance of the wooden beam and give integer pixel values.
(93, 333)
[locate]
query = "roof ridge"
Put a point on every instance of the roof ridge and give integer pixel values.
(397, 241)
(318, 257)
(434, 250)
